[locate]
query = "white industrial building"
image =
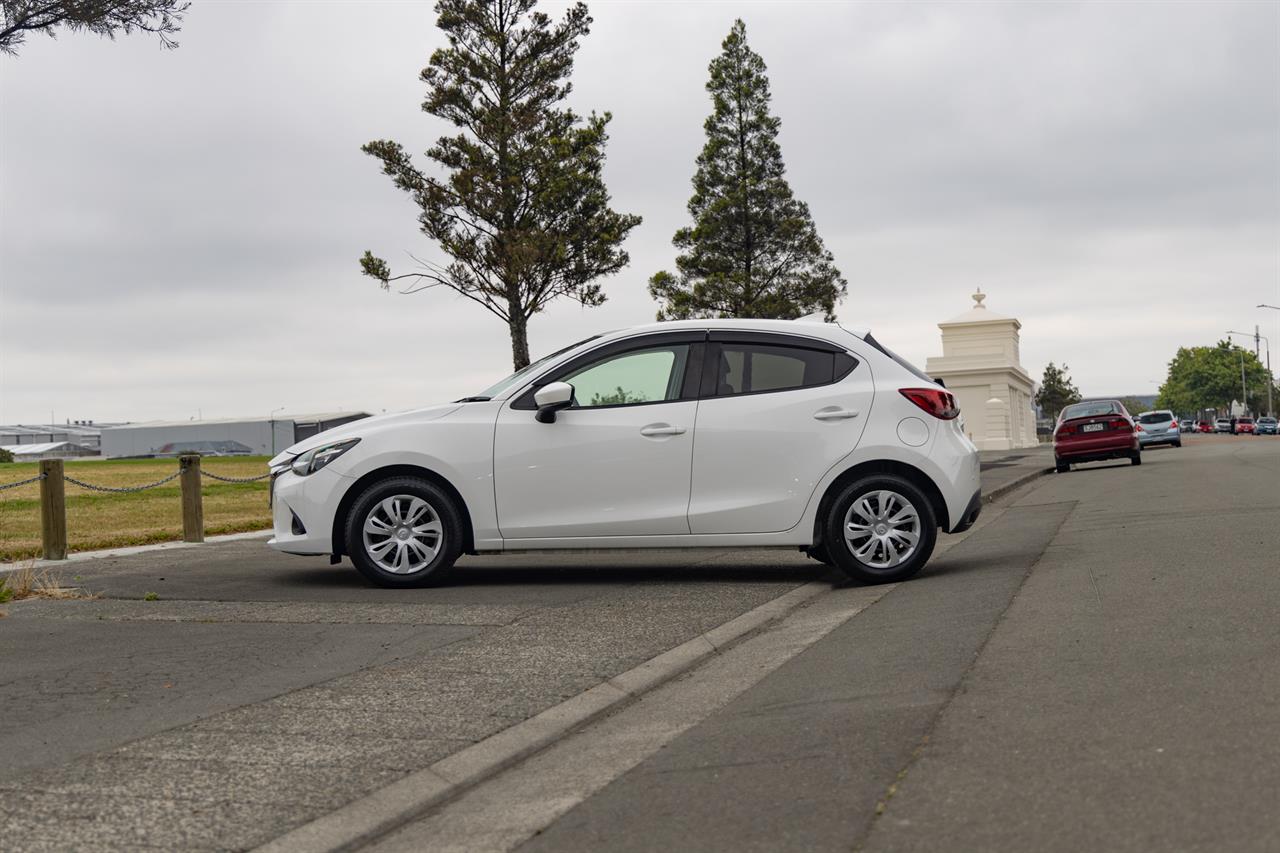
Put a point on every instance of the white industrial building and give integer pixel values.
(263, 436)
(31, 452)
(84, 434)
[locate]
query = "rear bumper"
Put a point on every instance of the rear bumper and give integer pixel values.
(1094, 449)
(970, 514)
(1166, 437)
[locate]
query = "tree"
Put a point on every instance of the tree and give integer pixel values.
(1133, 405)
(1057, 391)
(523, 211)
(753, 250)
(101, 17)
(1209, 378)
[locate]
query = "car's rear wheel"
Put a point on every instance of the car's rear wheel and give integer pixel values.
(404, 532)
(1136, 457)
(1062, 467)
(880, 529)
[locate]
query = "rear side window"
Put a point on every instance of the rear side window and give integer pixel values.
(1090, 410)
(751, 368)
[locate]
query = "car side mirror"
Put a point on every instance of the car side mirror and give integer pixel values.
(550, 399)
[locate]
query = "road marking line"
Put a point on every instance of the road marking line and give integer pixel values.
(390, 807)
(513, 806)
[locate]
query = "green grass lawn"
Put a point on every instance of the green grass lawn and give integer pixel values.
(101, 520)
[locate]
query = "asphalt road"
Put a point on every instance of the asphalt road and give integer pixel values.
(1097, 670)
(1093, 667)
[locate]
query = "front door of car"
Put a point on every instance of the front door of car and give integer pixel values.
(777, 411)
(617, 461)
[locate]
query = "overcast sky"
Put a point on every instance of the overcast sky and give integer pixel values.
(179, 230)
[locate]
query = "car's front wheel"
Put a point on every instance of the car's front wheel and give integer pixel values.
(880, 529)
(403, 532)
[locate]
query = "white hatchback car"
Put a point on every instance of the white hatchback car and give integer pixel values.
(710, 433)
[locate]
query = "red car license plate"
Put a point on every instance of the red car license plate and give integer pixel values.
(1092, 427)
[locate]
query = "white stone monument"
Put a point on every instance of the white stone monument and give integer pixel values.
(980, 365)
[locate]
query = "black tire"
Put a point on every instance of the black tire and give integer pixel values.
(1177, 444)
(840, 550)
(438, 502)
(1135, 458)
(1061, 467)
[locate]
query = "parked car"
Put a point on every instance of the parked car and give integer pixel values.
(1222, 425)
(1266, 426)
(1158, 427)
(1244, 425)
(1205, 426)
(1187, 424)
(727, 433)
(1093, 431)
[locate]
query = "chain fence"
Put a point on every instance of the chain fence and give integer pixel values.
(214, 476)
(122, 489)
(37, 478)
(127, 489)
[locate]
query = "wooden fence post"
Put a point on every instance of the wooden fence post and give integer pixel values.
(192, 505)
(53, 510)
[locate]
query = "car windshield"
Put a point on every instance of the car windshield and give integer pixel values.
(1155, 418)
(1266, 420)
(497, 388)
(1090, 410)
(1245, 421)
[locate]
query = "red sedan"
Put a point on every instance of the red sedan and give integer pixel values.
(1093, 431)
(1204, 426)
(1244, 425)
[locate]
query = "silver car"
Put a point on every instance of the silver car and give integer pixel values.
(1158, 427)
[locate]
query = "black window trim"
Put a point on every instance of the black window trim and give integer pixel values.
(711, 360)
(688, 386)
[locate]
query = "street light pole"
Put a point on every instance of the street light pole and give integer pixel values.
(271, 420)
(1270, 376)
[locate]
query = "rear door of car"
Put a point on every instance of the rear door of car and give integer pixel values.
(777, 411)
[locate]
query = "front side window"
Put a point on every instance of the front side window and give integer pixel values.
(755, 368)
(640, 376)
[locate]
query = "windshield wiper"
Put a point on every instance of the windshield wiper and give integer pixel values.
(474, 400)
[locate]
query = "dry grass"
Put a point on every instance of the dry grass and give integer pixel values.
(102, 520)
(29, 581)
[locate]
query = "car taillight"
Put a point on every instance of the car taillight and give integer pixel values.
(937, 402)
(1136, 427)
(1067, 429)
(1173, 425)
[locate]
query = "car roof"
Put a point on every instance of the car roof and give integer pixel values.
(803, 326)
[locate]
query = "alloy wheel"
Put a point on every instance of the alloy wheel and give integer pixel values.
(882, 529)
(402, 534)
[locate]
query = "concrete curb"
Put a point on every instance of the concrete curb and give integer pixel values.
(81, 556)
(1001, 491)
(386, 809)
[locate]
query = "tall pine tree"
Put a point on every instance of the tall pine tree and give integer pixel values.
(753, 250)
(522, 211)
(1057, 391)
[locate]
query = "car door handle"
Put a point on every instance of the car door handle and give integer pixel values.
(836, 414)
(661, 429)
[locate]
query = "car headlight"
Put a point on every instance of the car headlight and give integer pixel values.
(316, 458)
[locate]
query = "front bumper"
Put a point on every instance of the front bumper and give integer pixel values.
(303, 510)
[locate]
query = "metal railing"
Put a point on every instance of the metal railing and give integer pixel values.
(53, 502)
